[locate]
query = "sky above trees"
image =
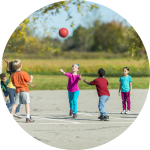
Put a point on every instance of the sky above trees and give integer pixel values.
(59, 20)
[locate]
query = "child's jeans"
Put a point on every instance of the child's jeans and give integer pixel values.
(102, 100)
(126, 98)
(73, 96)
(10, 103)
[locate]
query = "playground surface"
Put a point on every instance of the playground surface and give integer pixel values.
(53, 125)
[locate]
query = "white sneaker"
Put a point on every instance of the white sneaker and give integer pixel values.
(2, 114)
(123, 112)
(17, 115)
(128, 112)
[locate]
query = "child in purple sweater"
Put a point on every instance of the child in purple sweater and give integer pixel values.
(73, 88)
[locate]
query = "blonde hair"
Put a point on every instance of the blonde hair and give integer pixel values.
(77, 65)
(17, 64)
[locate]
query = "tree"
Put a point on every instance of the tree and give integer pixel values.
(16, 15)
(109, 36)
(139, 34)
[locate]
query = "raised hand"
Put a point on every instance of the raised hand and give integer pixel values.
(61, 70)
(6, 61)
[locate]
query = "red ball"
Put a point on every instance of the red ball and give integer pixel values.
(63, 32)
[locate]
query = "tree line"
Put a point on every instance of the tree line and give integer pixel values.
(109, 37)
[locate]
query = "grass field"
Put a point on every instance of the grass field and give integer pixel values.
(47, 76)
(60, 82)
(88, 67)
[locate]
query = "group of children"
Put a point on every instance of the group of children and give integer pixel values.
(102, 90)
(16, 86)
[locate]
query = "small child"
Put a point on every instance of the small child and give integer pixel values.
(11, 89)
(73, 88)
(126, 90)
(4, 83)
(103, 93)
(20, 80)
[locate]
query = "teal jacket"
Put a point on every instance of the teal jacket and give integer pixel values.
(4, 85)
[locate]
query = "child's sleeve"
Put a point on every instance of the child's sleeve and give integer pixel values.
(67, 74)
(26, 77)
(93, 82)
(130, 79)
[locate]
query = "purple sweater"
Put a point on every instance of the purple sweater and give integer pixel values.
(72, 82)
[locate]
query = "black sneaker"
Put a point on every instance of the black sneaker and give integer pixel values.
(10, 119)
(29, 120)
(71, 112)
(101, 117)
(105, 118)
(74, 115)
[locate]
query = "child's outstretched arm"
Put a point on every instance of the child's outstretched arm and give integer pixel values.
(32, 85)
(61, 70)
(119, 89)
(85, 81)
(130, 88)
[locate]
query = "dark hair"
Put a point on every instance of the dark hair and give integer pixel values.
(2, 76)
(126, 68)
(101, 72)
(11, 67)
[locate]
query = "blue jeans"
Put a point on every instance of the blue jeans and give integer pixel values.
(10, 103)
(102, 100)
(73, 96)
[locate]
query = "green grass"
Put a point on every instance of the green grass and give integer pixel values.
(60, 82)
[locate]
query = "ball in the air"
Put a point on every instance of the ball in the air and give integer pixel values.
(63, 32)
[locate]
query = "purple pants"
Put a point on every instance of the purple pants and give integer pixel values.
(126, 98)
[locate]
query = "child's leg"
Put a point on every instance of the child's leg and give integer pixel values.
(28, 110)
(18, 108)
(11, 97)
(102, 100)
(17, 101)
(123, 100)
(8, 101)
(13, 108)
(128, 100)
(70, 96)
(75, 97)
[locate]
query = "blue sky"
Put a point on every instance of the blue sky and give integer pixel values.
(59, 21)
